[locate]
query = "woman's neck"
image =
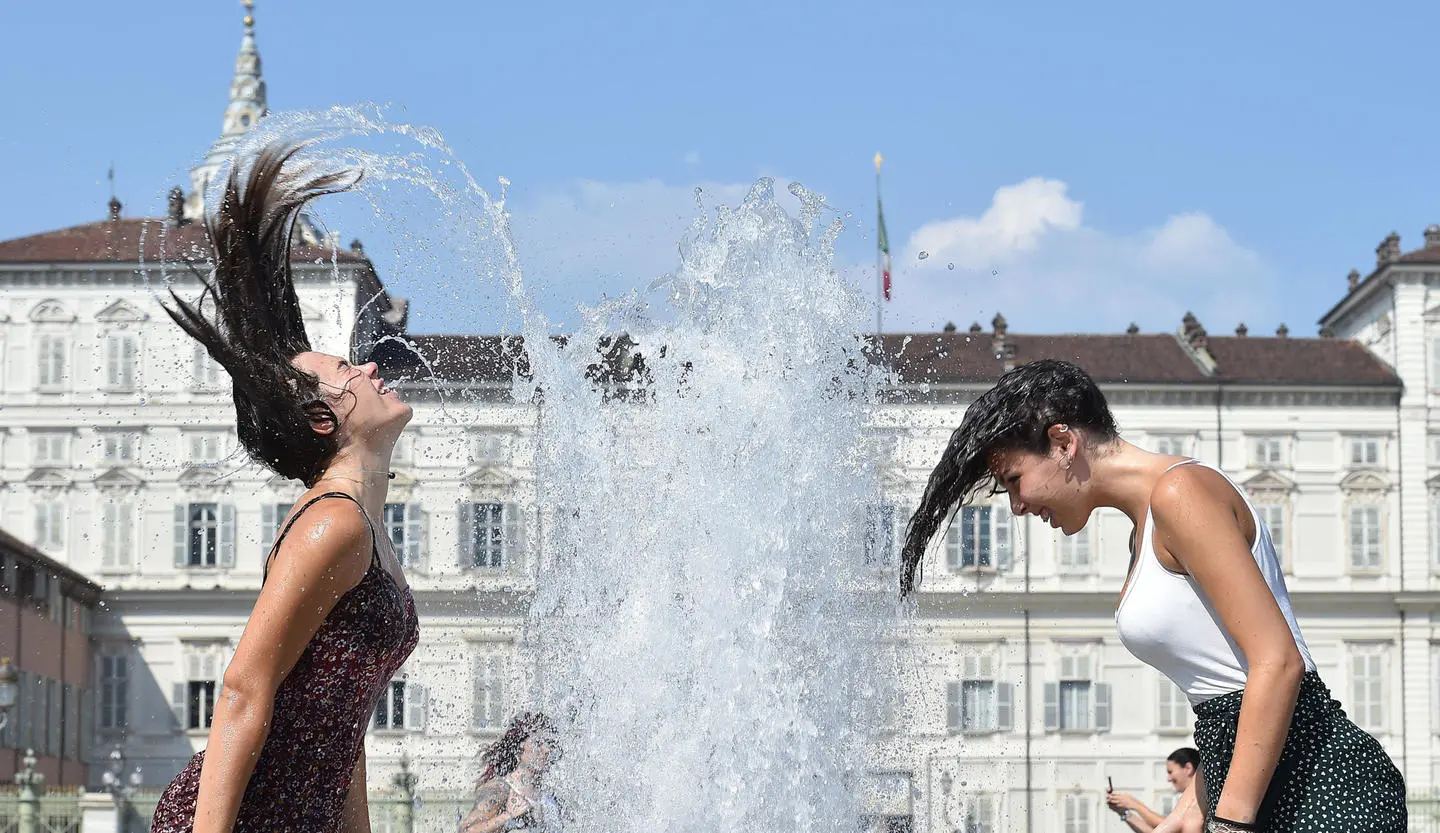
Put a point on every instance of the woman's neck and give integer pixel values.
(365, 476)
(1123, 476)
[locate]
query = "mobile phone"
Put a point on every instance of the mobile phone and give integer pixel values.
(1111, 782)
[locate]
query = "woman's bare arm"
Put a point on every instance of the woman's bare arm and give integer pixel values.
(1195, 522)
(326, 553)
(492, 809)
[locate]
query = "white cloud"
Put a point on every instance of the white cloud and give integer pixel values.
(1031, 256)
(1028, 254)
(1017, 219)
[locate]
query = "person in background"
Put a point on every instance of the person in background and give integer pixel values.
(1180, 770)
(510, 795)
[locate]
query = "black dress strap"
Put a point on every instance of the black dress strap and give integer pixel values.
(275, 547)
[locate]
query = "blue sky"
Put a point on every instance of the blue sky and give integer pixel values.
(1080, 165)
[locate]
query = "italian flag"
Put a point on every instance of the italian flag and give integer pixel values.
(882, 240)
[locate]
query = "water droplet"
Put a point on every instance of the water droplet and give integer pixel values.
(994, 272)
(924, 255)
(950, 266)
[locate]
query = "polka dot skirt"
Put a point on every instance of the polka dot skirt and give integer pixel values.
(1332, 775)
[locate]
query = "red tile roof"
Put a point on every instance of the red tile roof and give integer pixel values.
(132, 240)
(960, 358)
(970, 359)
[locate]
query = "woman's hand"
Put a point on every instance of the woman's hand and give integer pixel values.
(496, 806)
(1122, 801)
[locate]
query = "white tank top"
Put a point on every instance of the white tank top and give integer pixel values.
(1165, 620)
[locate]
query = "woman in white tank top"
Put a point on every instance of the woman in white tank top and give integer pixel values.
(1204, 601)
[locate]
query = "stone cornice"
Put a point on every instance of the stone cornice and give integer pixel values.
(109, 274)
(1049, 605)
(468, 603)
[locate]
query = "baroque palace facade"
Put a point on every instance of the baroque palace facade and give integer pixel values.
(118, 460)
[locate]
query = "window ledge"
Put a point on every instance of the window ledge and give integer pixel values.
(1176, 730)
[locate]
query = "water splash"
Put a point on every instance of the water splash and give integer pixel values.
(705, 625)
(704, 618)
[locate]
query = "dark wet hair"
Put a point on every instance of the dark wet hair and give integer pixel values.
(1016, 414)
(255, 328)
(504, 755)
(1186, 756)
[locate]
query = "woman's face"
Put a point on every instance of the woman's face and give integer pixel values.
(1179, 776)
(1040, 484)
(358, 395)
(535, 754)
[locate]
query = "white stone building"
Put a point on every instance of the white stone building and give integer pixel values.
(117, 458)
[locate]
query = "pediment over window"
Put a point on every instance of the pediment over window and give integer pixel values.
(118, 479)
(402, 488)
(1365, 481)
(487, 477)
(195, 475)
(48, 479)
(1269, 484)
(309, 313)
(891, 483)
(51, 311)
(1433, 483)
(122, 312)
(281, 484)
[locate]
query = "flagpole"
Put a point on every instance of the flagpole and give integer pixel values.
(879, 259)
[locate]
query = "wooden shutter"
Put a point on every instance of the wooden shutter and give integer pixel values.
(182, 536)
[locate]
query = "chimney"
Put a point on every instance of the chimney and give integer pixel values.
(114, 209)
(976, 329)
(1242, 330)
(998, 336)
(357, 247)
(1193, 333)
(1195, 342)
(1353, 279)
(175, 205)
(1133, 329)
(1282, 332)
(1327, 332)
(950, 327)
(1432, 237)
(1389, 249)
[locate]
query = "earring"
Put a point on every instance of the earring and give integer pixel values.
(1068, 462)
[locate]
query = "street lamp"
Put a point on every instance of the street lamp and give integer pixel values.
(9, 690)
(116, 783)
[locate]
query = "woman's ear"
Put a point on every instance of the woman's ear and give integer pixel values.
(322, 419)
(1062, 439)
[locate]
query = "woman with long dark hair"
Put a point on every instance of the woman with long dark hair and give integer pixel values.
(1204, 602)
(510, 794)
(334, 619)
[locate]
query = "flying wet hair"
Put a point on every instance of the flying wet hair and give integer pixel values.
(1016, 414)
(503, 757)
(255, 329)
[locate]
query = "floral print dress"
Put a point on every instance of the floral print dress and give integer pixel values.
(322, 710)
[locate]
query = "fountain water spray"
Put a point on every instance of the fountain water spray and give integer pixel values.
(705, 622)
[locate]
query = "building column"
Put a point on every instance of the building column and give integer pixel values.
(1417, 695)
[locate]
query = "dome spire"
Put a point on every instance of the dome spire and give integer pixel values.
(247, 105)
